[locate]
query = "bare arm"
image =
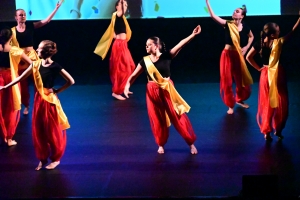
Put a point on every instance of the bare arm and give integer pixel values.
(250, 59)
(48, 19)
(174, 51)
(216, 18)
(288, 36)
(250, 40)
(23, 76)
(68, 78)
(138, 70)
(27, 61)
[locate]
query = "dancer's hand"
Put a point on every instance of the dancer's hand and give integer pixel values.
(197, 30)
(260, 69)
(59, 4)
(244, 50)
(2, 87)
(126, 90)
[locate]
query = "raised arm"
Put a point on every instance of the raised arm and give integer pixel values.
(250, 59)
(69, 81)
(48, 19)
(250, 40)
(174, 51)
(216, 18)
(23, 76)
(138, 70)
(288, 36)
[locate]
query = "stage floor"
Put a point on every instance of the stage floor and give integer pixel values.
(111, 150)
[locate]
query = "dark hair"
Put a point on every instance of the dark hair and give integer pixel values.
(134, 8)
(269, 29)
(19, 10)
(5, 35)
(244, 10)
(49, 48)
(157, 41)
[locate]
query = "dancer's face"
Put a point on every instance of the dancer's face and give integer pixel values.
(119, 6)
(39, 49)
(238, 14)
(151, 47)
(20, 16)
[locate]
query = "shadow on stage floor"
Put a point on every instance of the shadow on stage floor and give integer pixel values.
(111, 151)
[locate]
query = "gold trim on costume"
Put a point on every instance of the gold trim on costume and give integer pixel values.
(179, 104)
(106, 40)
(14, 58)
(273, 71)
(51, 97)
(235, 36)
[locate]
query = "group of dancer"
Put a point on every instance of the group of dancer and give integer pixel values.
(164, 104)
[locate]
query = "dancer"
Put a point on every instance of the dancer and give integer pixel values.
(121, 64)
(23, 38)
(273, 99)
(49, 123)
(98, 9)
(232, 62)
(164, 104)
(10, 102)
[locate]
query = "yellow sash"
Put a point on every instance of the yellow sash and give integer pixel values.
(14, 41)
(105, 41)
(235, 36)
(51, 98)
(273, 71)
(14, 58)
(178, 102)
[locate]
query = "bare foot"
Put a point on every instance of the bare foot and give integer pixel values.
(230, 111)
(280, 137)
(117, 96)
(11, 142)
(243, 104)
(40, 165)
(26, 110)
(53, 165)
(193, 149)
(161, 150)
(5, 140)
(130, 92)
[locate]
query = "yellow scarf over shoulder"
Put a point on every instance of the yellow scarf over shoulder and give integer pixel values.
(15, 58)
(273, 71)
(178, 102)
(105, 41)
(235, 36)
(51, 98)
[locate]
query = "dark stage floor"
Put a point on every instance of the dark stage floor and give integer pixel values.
(111, 151)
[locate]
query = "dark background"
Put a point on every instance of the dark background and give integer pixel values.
(196, 63)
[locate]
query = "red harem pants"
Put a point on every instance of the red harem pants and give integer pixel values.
(230, 67)
(272, 118)
(24, 89)
(158, 104)
(49, 139)
(9, 117)
(121, 65)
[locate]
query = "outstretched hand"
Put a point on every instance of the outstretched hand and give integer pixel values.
(59, 4)
(197, 30)
(126, 90)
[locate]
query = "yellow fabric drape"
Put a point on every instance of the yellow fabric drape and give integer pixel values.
(178, 102)
(273, 71)
(51, 98)
(106, 40)
(14, 41)
(235, 36)
(14, 58)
